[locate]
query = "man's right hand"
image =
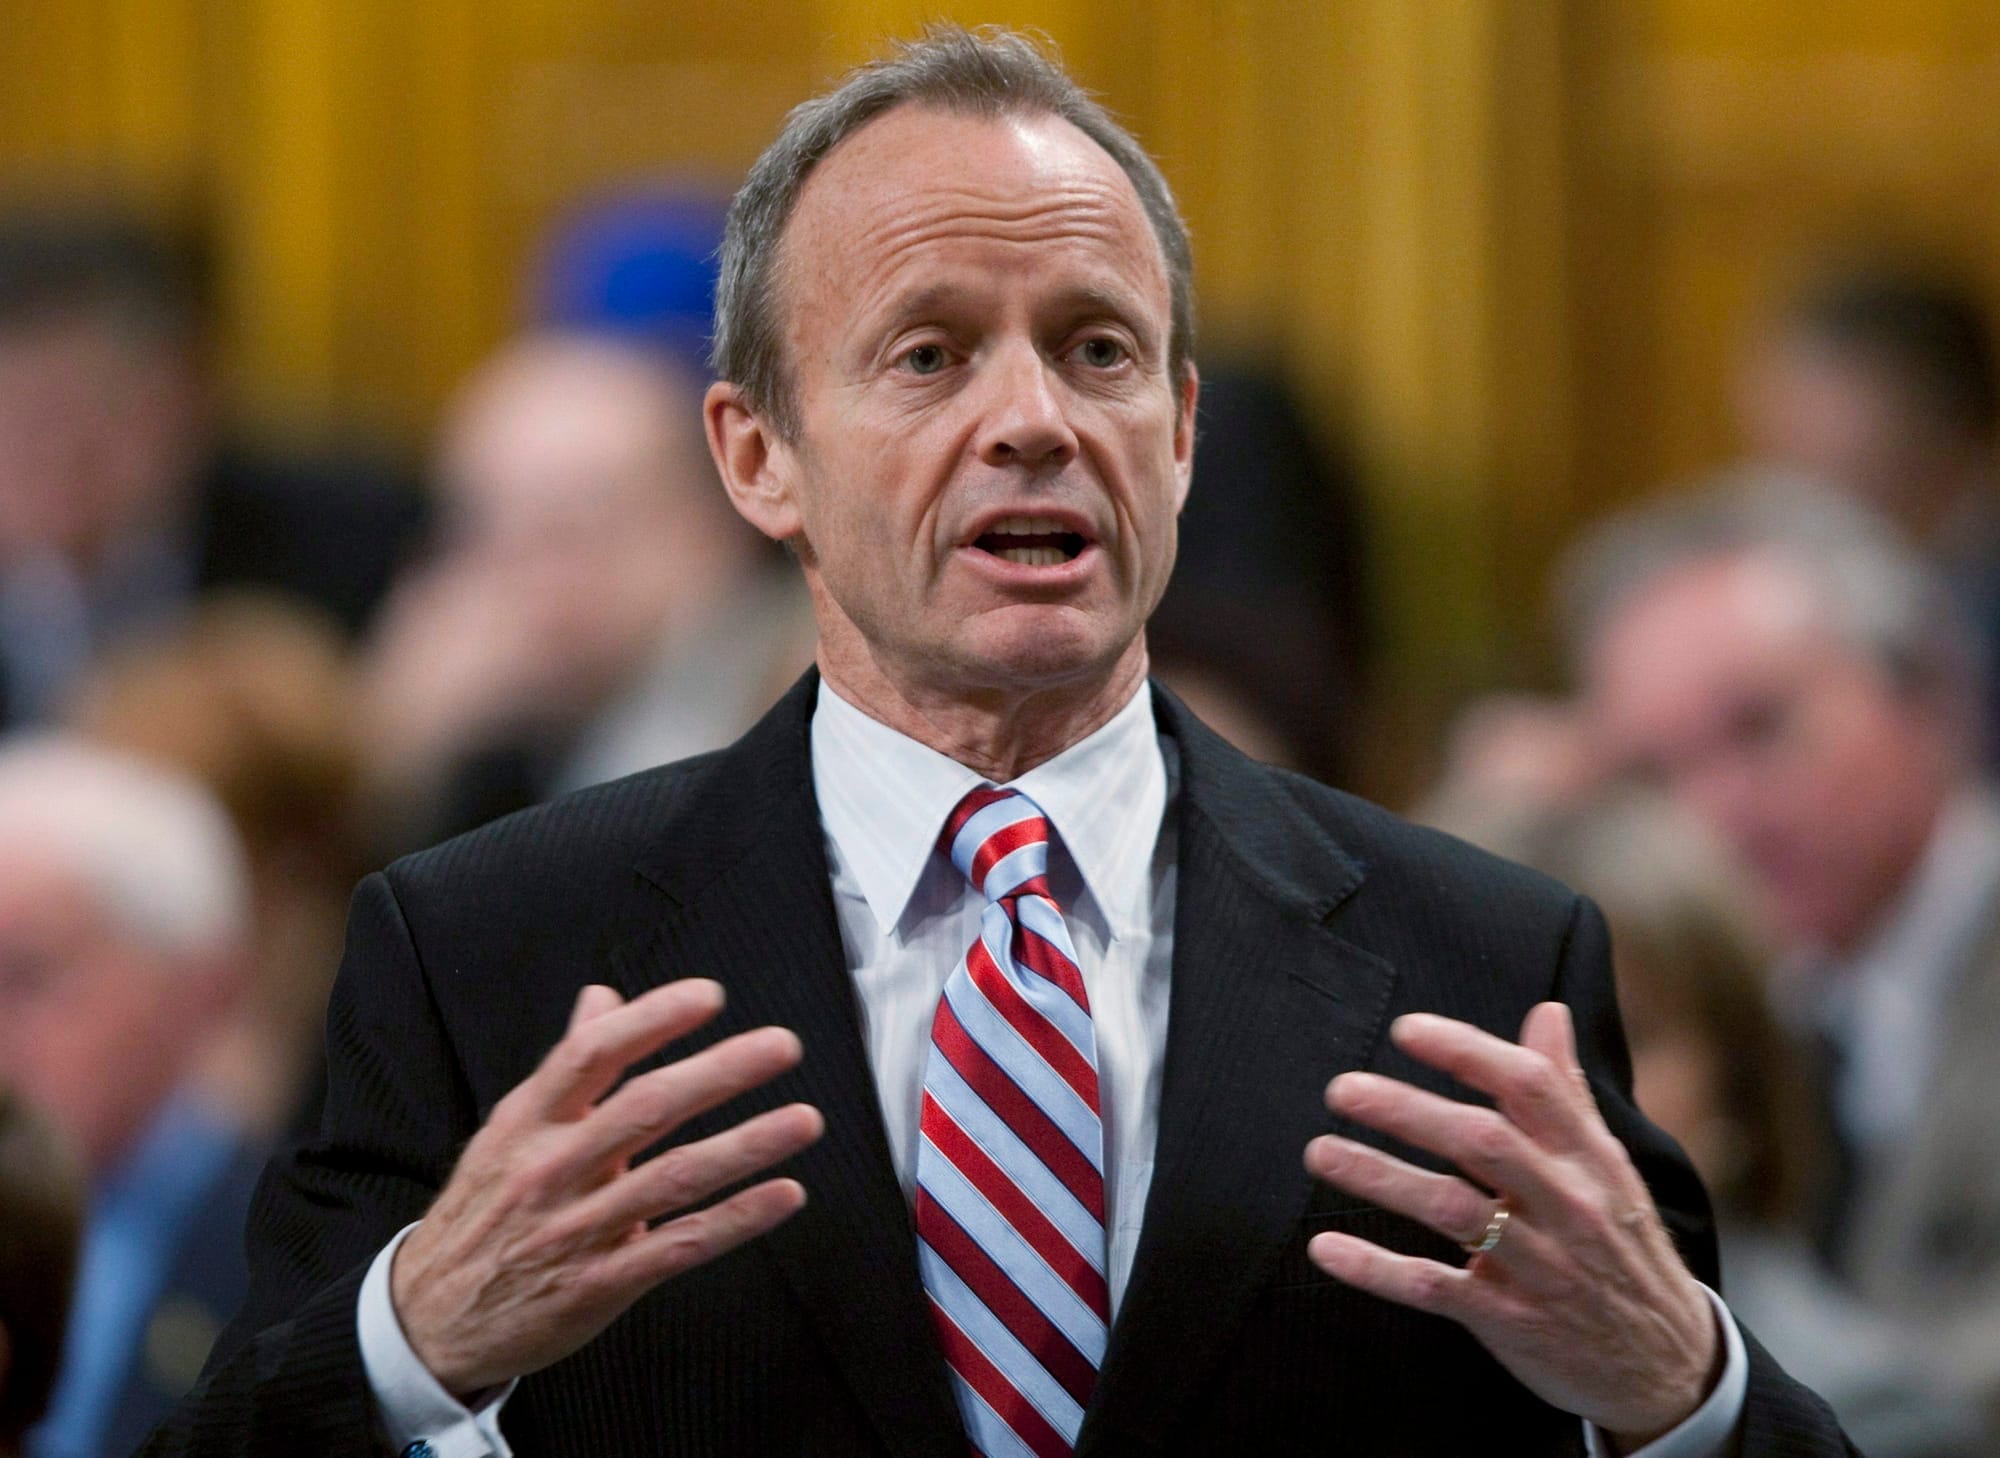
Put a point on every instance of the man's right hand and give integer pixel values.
(543, 1234)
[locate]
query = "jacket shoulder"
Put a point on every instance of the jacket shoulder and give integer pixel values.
(1450, 874)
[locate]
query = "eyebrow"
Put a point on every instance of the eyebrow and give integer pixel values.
(1084, 301)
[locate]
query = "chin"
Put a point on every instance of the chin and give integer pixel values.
(1044, 659)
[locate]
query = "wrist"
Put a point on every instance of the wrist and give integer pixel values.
(1708, 1356)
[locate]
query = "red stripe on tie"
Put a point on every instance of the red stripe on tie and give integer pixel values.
(1042, 1035)
(1045, 1140)
(996, 1290)
(1045, 959)
(1001, 1395)
(1027, 1218)
(1003, 843)
(971, 805)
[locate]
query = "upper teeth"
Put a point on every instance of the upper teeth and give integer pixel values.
(1028, 526)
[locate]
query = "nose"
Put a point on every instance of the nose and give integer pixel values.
(1025, 424)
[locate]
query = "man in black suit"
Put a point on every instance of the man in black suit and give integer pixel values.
(954, 335)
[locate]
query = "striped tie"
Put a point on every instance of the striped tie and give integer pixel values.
(1010, 1169)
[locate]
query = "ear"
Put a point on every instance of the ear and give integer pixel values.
(1190, 392)
(758, 469)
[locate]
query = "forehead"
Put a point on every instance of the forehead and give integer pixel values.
(884, 205)
(1711, 622)
(38, 888)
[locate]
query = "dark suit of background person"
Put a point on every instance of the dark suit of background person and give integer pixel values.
(1306, 921)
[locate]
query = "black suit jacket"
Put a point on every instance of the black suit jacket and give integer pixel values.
(1305, 921)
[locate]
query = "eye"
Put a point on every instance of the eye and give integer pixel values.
(1101, 352)
(925, 359)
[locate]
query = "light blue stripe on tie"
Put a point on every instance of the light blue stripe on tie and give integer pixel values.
(989, 1433)
(989, 822)
(1019, 1163)
(1051, 1001)
(990, 1335)
(1046, 1089)
(1039, 915)
(1016, 866)
(993, 1233)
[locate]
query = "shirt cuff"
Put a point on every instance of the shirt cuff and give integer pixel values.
(414, 1407)
(1707, 1432)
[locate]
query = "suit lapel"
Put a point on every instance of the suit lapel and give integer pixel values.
(1268, 1004)
(751, 906)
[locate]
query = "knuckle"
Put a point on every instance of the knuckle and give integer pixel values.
(1466, 1212)
(1490, 1139)
(1428, 1287)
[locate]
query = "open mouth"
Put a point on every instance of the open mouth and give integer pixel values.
(1032, 541)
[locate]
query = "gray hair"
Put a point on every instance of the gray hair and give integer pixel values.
(1879, 594)
(156, 849)
(990, 72)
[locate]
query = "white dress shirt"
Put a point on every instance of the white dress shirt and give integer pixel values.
(906, 917)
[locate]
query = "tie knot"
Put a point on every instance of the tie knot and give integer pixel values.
(999, 840)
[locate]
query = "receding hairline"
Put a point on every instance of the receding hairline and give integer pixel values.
(993, 111)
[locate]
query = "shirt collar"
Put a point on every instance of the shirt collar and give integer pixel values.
(1943, 907)
(883, 799)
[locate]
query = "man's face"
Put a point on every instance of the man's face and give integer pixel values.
(1723, 681)
(93, 1030)
(96, 436)
(992, 451)
(1843, 419)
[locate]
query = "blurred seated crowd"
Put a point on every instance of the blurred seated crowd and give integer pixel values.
(233, 677)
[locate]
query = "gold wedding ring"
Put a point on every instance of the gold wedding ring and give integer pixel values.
(1496, 1226)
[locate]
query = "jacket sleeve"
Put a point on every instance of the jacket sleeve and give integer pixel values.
(1781, 1418)
(286, 1376)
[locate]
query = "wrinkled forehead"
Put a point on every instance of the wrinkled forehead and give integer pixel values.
(919, 174)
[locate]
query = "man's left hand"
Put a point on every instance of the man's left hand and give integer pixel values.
(1583, 1298)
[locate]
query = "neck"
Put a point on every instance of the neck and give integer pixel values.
(1001, 732)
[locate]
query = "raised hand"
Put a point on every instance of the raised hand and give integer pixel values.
(542, 1235)
(1582, 1297)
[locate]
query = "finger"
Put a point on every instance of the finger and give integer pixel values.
(1550, 1030)
(1448, 1205)
(655, 1104)
(685, 1176)
(1483, 1142)
(595, 1051)
(699, 1237)
(1530, 1088)
(593, 1001)
(1407, 1280)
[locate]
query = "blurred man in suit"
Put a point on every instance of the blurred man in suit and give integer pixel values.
(1881, 377)
(1102, 1048)
(122, 496)
(593, 606)
(1780, 661)
(123, 941)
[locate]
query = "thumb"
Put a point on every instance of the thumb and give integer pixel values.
(1550, 1031)
(593, 1001)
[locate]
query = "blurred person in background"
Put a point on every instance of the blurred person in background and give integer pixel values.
(1712, 1067)
(251, 696)
(122, 498)
(594, 606)
(1265, 616)
(1776, 659)
(1880, 377)
(124, 924)
(41, 1218)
